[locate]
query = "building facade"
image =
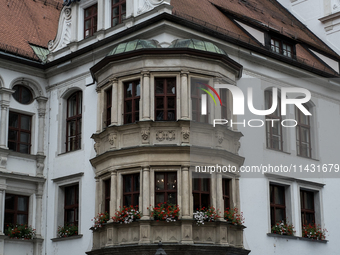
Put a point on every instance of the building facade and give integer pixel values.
(109, 113)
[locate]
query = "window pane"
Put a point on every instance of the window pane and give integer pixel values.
(87, 24)
(21, 219)
(159, 181)
(13, 119)
(69, 196)
(279, 215)
(172, 198)
(12, 146)
(159, 87)
(135, 199)
(25, 122)
(196, 201)
(136, 182)
(115, 12)
(128, 183)
(159, 115)
(128, 106)
(279, 195)
(114, 22)
(128, 118)
(159, 198)
(72, 105)
(24, 148)
(205, 185)
(171, 102)
(71, 128)
(26, 95)
(9, 218)
(127, 200)
(138, 90)
(196, 184)
(205, 200)
(171, 86)
(115, 2)
(171, 115)
(309, 200)
(123, 8)
(159, 103)
(12, 135)
(9, 202)
(87, 12)
(128, 90)
(172, 181)
(22, 204)
(70, 216)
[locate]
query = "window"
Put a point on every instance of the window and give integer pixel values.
(277, 204)
(165, 98)
(226, 193)
(90, 21)
(201, 192)
(71, 205)
(16, 209)
(273, 128)
(307, 207)
(73, 125)
(281, 47)
(224, 107)
(22, 94)
(166, 188)
(107, 197)
(303, 137)
(196, 100)
(131, 189)
(19, 132)
(108, 94)
(118, 12)
(131, 101)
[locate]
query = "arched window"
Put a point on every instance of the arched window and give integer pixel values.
(273, 123)
(73, 121)
(22, 94)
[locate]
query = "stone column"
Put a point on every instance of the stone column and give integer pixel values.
(101, 15)
(114, 107)
(41, 115)
(185, 95)
(5, 98)
(185, 193)
(3, 187)
(219, 191)
(213, 191)
(99, 110)
(146, 96)
(38, 218)
(146, 193)
(113, 193)
(98, 197)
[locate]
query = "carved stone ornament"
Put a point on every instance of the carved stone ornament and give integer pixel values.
(3, 161)
(160, 136)
(185, 134)
(96, 147)
(219, 137)
(112, 138)
(145, 132)
(171, 135)
(147, 5)
(64, 31)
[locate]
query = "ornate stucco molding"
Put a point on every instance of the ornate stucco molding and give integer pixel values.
(147, 5)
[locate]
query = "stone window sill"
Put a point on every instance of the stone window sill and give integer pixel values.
(296, 238)
(57, 239)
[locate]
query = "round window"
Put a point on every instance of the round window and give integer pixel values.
(22, 94)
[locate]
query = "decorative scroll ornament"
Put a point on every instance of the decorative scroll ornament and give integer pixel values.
(145, 133)
(64, 31)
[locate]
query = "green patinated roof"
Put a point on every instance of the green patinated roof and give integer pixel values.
(197, 45)
(134, 45)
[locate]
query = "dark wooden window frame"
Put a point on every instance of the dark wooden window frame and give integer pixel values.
(200, 192)
(15, 211)
(19, 130)
(305, 211)
(165, 191)
(226, 192)
(281, 42)
(108, 94)
(77, 118)
(133, 99)
(299, 127)
(20, 88)
(107, 195)
(74, 207)
(120, 12)
(132, 192)
(274, 205)
(165, 97)
(270, 142)
(93, 17)
(224, 106)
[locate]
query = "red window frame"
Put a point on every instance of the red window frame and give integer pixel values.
(120, 4)
(134, 100)
(307, 211)
(275, 205)
(108, 94)
(197, 193)
(274, 141)
(13, 213)
(196, 100)
(135, 190)
(14, 144)
(226, 193)
(166, 190)
(73, 142)
(93, 16)
(307, 152)
(107, 198)
(165, 97)
(72, 207)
